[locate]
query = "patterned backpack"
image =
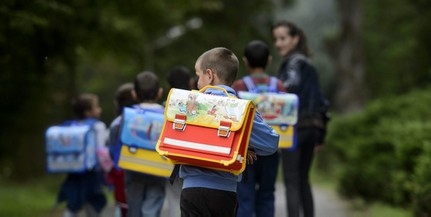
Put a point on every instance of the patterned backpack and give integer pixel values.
(71, 147)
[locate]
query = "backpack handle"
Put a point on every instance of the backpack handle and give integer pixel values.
(203, 89)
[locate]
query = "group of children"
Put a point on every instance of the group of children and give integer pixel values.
(196, 191)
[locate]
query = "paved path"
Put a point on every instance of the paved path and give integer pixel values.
(327, 204)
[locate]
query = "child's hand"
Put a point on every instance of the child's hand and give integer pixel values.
(251, 157)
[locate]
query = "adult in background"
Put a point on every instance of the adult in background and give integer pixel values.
(300, 77)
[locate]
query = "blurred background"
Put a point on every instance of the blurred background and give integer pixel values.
(373, 58)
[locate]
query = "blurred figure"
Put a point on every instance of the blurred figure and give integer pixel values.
(84, 190)
(178, 77)
(256, 190)
(300, 77)
(123, 98)
(145, 193)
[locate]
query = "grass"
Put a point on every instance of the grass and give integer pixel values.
(35, 198)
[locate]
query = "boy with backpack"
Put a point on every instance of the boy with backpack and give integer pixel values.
(145, 193)
(84, 189)
(208, 192)
(256, 190)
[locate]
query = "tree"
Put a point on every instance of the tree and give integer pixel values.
(346, 50)
(52, 50)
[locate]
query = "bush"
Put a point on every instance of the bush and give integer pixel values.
(384, 151)
(422, 186)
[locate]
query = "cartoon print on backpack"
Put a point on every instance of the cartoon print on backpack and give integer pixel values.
(71, 147)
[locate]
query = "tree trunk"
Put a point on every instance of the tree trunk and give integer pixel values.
(346, 51)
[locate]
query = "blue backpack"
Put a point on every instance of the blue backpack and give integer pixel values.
(140, 132)
(139, 128)
(71, 147)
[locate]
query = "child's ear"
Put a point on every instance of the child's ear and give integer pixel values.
(134, 95)
(209, 73)
(212, 76)
(245, 61)
(160, 93)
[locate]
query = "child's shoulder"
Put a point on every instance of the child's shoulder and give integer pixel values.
(149, 106)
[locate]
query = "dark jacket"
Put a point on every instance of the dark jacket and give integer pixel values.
(300, 77)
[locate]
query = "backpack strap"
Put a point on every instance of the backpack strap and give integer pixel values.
(248, 81)
(155, 110)
(87, 121)
(272, 88)
(174, 174)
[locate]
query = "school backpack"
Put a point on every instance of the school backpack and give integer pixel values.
(278, 109)
(140, 131)
(71, 147)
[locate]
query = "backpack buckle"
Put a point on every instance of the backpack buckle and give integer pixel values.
(224, 129)
(179, 122)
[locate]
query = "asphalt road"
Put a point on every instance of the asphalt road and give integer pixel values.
(327, 204)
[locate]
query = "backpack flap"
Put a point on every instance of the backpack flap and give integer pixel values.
(206, 130)
(141, 127)
(140, 131)
(67, 148)
(280, 110)
(275, 108)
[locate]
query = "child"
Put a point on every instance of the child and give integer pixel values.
(263, 173)
(84, 190)
(145, 193)
(123, 98)
(209, 192)
(178, 77)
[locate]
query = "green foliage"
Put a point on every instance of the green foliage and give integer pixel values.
(422, 186)
(384, 151)
(397, 46)
(53, 50)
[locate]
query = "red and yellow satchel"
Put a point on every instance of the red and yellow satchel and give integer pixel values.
(206, 130)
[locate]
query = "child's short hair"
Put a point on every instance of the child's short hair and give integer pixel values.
(179, 77)
(257, 53)
(222, 61)
(146, 86)
(83, 103)
(124, 97)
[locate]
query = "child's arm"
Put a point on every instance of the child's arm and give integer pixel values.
(263, 139)
(101, 133)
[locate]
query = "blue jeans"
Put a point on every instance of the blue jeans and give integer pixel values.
(296, 165)
(144, 194)
(256, 190)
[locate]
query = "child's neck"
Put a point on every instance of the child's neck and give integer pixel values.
(149, 102)
(256, 71)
